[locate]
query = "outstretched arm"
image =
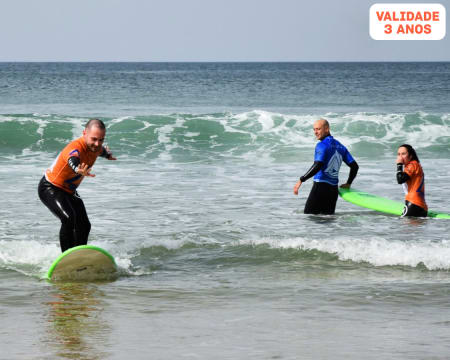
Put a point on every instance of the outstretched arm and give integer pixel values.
(106, 153)
(82, 169)
(313, 170)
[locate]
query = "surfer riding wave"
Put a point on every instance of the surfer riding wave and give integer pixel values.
(57, 189)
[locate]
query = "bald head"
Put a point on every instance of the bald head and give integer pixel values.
(321, 129)
(94, 134)
(322, 123)
(95, 123)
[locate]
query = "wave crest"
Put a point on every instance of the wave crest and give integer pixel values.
(252, 134)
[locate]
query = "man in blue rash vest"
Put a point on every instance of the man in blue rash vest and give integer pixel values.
(328, 157)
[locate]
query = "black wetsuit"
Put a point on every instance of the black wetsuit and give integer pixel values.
(69, 208)
(323, 196)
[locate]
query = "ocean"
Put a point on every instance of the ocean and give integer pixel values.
(216, 258)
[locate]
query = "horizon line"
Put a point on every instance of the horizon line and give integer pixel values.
(224, 61)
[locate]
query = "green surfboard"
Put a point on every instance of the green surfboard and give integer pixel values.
(83, 263)
(379, 203)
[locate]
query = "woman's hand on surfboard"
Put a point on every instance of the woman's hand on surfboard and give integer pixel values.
(85, 170)
(345, 186)
(296, 187)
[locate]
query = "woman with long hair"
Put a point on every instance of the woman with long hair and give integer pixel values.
(410, 175)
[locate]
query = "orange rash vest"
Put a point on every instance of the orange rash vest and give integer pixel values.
(61, 174)
(416, 184)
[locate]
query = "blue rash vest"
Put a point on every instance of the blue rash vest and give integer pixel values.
(331, 153)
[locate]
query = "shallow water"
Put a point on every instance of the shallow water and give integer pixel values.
(216, 257)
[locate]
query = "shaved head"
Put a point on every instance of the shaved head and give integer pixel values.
(94, 134)
(321, 129)
(322, 123)
(95, 123)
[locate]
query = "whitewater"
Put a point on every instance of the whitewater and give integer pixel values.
(216, 257)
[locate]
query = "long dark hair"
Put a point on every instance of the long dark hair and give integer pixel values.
(411, 152)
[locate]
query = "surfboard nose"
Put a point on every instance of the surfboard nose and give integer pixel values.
(83, 263)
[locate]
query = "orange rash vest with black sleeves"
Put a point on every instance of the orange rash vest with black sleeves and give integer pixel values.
(61, 174)
(416, 184)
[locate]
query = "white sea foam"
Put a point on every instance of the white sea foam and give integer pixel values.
(4, 118)
(146, 125)
(351, 128)
(297, 134)
(191, 134)
(118, 120)
(164, 137)
(377, 251)
(29, 257)
(34, 258)
(230, 125)
(77, 126)
(256, 136)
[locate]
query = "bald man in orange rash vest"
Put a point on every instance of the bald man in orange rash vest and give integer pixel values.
(57, 189)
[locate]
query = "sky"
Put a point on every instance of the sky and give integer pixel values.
(202, 30)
